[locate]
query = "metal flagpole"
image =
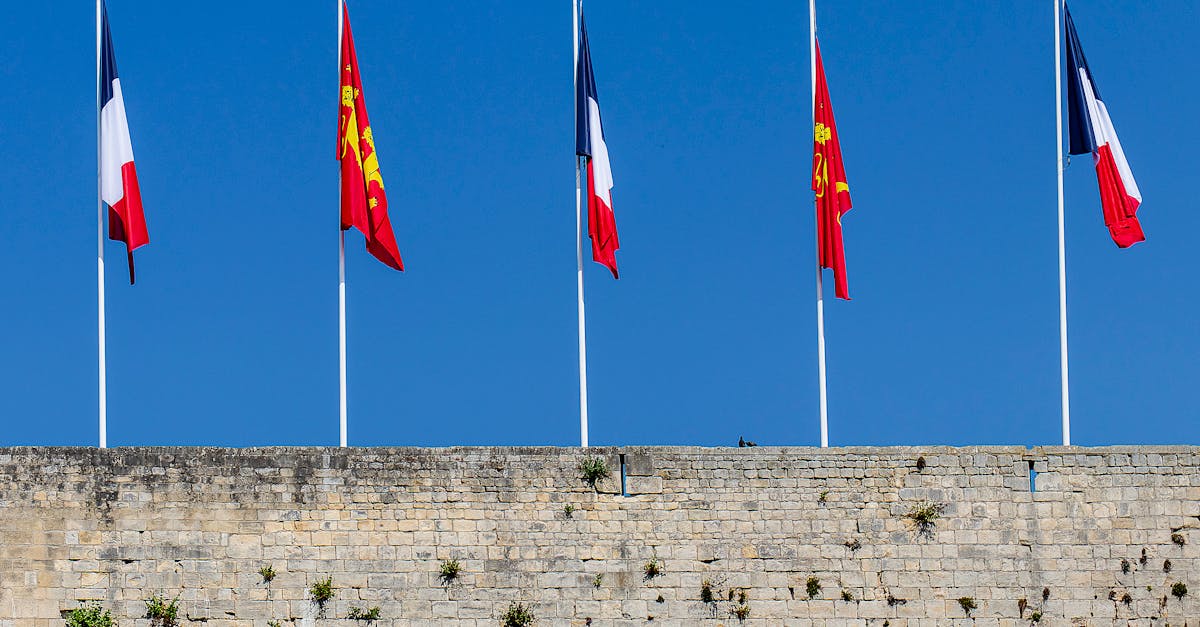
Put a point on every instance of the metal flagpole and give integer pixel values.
(341, 266)
(1062, 247)
(103, 382)
(812, 47)
(583, 402)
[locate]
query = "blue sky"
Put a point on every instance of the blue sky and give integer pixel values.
(946, 115)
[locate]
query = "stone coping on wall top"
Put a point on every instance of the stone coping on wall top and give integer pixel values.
(773, 451)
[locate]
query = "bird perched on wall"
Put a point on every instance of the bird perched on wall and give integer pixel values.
(742, 442)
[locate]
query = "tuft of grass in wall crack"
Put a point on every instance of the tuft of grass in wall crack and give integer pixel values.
(925, 516)
(449, 571)
(598, 580)
(1179, 590)
(517, 615)
(812, 587)
(368, 615)
(847, 595)
(161, 612)
(652, 569)
(706, 592)
(968, 605)
(320, 593)
(593, 469)
(823, 497)
(267, 572)
(1036, 616)
(90, 615)
(568, 510)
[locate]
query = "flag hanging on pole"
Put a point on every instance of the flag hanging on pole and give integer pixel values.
(118, 177)
(364, 203)
(829, 183)
(1092, 132)
(589, 143)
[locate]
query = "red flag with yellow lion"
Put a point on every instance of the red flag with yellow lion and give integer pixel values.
(364, 203)
(829, 183)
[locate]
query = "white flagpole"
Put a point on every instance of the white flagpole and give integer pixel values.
(812, 47)
(103, 382)
(583, 402)
(341, 266)
(1062, 246)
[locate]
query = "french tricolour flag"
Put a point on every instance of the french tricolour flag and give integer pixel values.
(589, 143)
(118, 177)
(1092, 132)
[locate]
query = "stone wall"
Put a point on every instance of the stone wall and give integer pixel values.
(1088, 546)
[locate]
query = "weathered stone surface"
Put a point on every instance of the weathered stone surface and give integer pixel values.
(121, 525)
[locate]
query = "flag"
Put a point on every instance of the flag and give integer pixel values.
(1092, 132)
(589, 143)
(829, 183)
(118, 177)
(364, 203)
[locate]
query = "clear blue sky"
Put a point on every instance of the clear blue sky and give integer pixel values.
(946, 114)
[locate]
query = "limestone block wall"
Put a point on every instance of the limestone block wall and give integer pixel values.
(736, 535)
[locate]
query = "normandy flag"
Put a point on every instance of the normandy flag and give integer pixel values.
(364, 203)
(589, 143)
(829, 183)
(1092, 132)
(118, 177)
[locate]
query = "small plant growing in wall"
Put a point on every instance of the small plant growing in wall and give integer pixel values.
(823, 497)
(267, 572)
(273, 623)
(652, 569)
(1036, 616)
(598, 580)
(568, 510)
(517, 615)
(812, 587)
(90, 615)
(1179, 589)
(321, 592)
(847, 595)
(1178, 539)
(593, 469)
(968, 605)
(357, 613)
(925, 516)
(449, 571)
(161, 612)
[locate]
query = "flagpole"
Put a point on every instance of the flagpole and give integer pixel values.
(583, 402)
(1062, 247)
(812, 48)
(103, 378)
(341, 268)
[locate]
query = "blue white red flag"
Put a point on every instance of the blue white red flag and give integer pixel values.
(1092, 132)
(589, 143)
(118, 177)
